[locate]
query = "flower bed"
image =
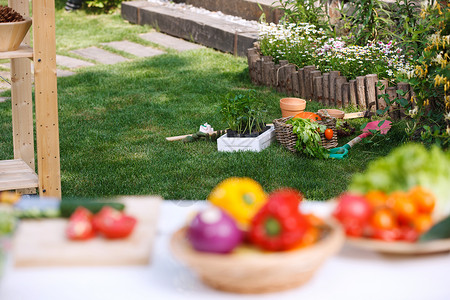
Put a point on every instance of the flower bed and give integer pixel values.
(305, 63)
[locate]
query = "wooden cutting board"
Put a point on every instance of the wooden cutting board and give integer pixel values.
(43, 242)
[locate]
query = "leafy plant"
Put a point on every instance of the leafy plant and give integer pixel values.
(104, 6)
(368, 21)
(242, 112)
(305, 11)
(430, 81)
(309, 141)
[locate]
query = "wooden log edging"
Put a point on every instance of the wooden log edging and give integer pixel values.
(330, 89)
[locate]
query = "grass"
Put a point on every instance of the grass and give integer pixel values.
(114, 119)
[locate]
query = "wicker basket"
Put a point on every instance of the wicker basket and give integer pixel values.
(287, 138)
(254, 271)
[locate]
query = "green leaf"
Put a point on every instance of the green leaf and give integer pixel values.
(440, 230)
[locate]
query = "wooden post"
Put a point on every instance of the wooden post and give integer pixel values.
(326, 88)
(301, 83)
(338, 96)
(22, 102)
(252, 57)
(281, 88)
(345, 94)
(267, 70)
(332, 83)
(393, 109)
(259, 71)
(272, 74)
(381, 103)
(318, 89)
(315, 74)
(47, 128)
(308, 82)
(289, 69)
(371, 93)
(295, 85)
(361, 92)
(352, 94)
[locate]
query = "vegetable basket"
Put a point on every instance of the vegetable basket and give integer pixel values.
(287, 138)
(249, 270)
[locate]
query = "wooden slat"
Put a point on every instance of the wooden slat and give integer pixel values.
(16, 174)
(22, 100)
(24, 51)
(47, 129)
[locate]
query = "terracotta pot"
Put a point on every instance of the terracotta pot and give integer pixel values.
(12, 34)
(336, 113)
(291, 106)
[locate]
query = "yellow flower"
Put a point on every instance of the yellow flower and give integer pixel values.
(241, 197)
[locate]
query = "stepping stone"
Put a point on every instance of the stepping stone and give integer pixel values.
(169, 41)
(64, 73)
(72, 63)
(100, 55)
(3, 84)
(134, 48)
(4, 99)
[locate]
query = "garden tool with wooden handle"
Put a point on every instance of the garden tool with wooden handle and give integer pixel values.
(342, 152)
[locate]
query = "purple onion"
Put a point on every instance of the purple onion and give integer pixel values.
(213, 230)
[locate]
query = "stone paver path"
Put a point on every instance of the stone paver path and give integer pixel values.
(169, 41)
(134, 48)
(72, 63)
(100, 55)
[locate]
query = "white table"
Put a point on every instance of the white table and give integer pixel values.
(352, 274)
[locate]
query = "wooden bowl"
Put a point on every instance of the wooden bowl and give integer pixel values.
(12, 34)
(292, 106)
(249, 270)
(336, 113)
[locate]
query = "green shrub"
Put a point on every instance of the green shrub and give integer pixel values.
(104, 6)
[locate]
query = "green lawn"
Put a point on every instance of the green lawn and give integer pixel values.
(114, 119)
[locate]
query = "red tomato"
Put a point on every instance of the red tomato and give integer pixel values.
(408, 234)
(383, 218)
(403, 206)
(113, 224)
(80, 225)
(424, 199)
(376, 198)
(387, 235)
(422, 222)
(328, 133)
(353, 211)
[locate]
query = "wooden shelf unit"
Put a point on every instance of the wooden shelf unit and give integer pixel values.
(19, 173)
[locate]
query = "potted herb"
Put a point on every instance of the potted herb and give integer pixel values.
(244, 115)
(13, 28)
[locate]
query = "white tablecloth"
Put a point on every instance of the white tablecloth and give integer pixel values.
(352, 274)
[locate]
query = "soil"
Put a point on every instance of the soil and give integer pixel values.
(232, 133)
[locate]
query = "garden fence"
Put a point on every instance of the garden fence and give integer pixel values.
(330, 89)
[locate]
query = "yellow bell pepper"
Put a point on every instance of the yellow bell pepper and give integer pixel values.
(241, 197)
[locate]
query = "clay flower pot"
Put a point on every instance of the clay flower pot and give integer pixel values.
(12, 34)
(291, 106)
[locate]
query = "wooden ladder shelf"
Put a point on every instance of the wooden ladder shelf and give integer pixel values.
(19, 173)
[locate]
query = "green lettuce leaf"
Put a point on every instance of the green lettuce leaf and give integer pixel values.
(408, 166)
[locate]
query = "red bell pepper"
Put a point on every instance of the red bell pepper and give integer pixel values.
(279, 225)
